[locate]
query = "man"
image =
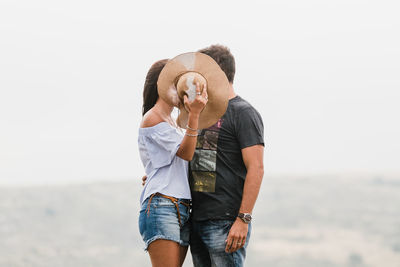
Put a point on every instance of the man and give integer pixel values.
(225, 177)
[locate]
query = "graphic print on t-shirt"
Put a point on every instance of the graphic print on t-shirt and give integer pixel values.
(203, 164)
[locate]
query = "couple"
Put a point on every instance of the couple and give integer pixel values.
(202, 185)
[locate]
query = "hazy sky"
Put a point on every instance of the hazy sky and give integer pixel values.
(325, 76)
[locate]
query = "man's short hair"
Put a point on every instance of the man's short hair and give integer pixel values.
(223, 56)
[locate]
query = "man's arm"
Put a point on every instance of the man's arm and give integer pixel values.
(253, 160)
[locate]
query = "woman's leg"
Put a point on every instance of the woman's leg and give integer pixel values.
(164, 253)
(182, 254)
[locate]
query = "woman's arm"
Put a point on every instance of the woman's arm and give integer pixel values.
(188, 145)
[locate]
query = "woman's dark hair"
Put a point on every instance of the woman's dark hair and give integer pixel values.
(150, 93)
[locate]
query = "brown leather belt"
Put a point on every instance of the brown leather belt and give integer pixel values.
(173, 200)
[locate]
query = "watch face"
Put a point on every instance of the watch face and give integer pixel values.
(247, 217)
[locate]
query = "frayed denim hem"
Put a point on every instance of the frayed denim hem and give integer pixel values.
(154, 238)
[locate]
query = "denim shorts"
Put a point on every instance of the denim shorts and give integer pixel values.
(161, 221)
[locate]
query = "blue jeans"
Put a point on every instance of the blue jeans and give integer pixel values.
(207, 244)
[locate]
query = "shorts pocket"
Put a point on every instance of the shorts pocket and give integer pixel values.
(163, 202)
(184, 212)
(142, 222)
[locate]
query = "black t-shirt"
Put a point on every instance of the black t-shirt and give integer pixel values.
(217, 171)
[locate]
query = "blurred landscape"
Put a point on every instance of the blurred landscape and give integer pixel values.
(324, 76)
(316, 221)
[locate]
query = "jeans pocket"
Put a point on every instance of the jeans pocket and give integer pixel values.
(220, 223)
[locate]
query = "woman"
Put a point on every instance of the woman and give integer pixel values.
(165, 152)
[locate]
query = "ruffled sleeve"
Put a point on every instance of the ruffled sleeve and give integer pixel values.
(162, 146)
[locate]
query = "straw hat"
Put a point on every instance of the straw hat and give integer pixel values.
(179, 77)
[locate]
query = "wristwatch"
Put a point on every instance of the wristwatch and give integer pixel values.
(246, 217)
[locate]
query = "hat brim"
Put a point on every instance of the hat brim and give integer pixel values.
(217, 86)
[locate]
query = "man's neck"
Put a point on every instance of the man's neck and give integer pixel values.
(232, 93)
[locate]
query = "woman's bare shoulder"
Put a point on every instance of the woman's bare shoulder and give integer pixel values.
(150, 119)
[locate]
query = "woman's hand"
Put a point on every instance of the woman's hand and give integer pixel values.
(188, 145)
(144, 178)
(197, 105)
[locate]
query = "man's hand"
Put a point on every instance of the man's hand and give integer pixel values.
(144, 178)
(237, 236)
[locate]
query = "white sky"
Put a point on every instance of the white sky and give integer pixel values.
(323, 74)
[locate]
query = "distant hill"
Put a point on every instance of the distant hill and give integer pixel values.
(298, 222)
